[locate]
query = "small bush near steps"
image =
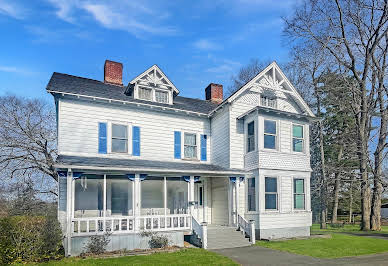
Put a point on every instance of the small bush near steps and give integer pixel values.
(97, 244)
(157, 240)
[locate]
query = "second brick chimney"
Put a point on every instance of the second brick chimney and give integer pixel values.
(214, 93)
(113, 73)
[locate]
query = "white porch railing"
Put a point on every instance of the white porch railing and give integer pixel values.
(201, 231)
(130, 224)
(247, 228)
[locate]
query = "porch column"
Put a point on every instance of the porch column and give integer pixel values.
(230, 203)
(237, 187)
(137, 198)
(191, 194)
(69, 200)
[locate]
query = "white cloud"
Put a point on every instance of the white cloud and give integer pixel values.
(15, 70)
(224, 66)
(205, 44)
(12, 9)
(132, 16)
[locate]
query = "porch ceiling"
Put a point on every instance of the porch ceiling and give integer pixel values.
(146, 166)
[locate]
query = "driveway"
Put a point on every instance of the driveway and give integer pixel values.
(255, 255)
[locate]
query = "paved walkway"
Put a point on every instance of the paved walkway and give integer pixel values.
(256, 255)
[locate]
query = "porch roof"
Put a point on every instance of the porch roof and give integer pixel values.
(138, 165)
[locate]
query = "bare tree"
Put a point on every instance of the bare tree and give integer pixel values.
(350, 31)
(27, 139)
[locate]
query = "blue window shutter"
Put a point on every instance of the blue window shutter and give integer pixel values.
(102, 140)
(203, 147)
(136, 141)
(177, 144)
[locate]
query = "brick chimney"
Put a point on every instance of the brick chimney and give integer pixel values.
(214, 93)
(113, 73)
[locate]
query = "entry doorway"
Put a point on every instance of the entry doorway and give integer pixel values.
(199, 198)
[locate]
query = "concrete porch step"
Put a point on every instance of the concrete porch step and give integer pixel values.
(220, 237)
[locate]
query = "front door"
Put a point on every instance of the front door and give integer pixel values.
(199, 199)
(219, 198)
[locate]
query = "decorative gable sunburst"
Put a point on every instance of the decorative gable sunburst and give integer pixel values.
(155, 77)
(273, 81)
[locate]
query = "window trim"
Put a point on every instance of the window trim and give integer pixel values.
(303, 138)
(184, 145)
(270, 134)
(111, 137)
(153, 93)
(253, 136)
(164, 91)
(145, 88)
(255, 193)
(293, 194)
(276, 193)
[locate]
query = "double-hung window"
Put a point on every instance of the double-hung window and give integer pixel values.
(119, 138)
(299, 194)
(270, 133)
(145, 93)
(251, 137)
(297, 138)
(161, 96)
(190, 149)
(271, 193)
(251, 194)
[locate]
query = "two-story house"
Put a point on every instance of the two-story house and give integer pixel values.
(139, 157)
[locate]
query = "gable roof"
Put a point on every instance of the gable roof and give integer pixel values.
(277, 81)
(77, 86)
(157, 77)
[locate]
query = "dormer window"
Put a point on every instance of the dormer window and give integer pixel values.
(161, 96)
(268, 101)
(145, 94)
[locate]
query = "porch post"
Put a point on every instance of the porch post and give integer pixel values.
(137, 202)
(104, 204)
(69, 208)
(205, 199)
(230, 202)
(191, 194)
(237, 187)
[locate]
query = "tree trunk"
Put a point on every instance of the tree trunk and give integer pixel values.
(337, 187)
(379, 156)
(351, 201)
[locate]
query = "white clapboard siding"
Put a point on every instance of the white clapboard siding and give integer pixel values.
(220, 186)
(284, 220)
(220, 138)
(78, 129)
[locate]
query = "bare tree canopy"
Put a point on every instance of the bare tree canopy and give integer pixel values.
(27, 138)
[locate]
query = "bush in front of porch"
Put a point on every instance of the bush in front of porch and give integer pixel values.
(190, 256)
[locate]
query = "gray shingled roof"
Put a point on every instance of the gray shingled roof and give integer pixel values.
(64, 161)
(65, 83)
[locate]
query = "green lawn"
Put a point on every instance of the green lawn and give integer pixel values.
(192, 256)
(339, 245)
(350, 228)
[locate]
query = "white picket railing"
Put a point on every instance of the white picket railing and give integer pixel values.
(130, 224)
(246, 227)
(201, 231)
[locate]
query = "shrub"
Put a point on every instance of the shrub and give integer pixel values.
(156, 240)
(29, 239)
(97, 244)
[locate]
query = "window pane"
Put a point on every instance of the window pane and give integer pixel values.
(119, 145)
(200, 196)
(161, 96)
(269, 142)
(297, 131)
(119, 131)
(251, 195)
(152, 196)
(190, 139)
(145, 94)
(271, 184)
(299, 186)
(177, 196)
(88, 196)
(299, 201)
(270, 202)
(251, 143)
(297, 145)
(190, 152)
(118, 196)
(270, 127)
(251, 128)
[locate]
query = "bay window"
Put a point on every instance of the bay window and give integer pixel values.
(251, 201)
(297, 138)
(270, 134)
(251, 137)
(271, 193)
(299, 194)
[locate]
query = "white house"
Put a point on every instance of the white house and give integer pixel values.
(139, 157)
(384, 211)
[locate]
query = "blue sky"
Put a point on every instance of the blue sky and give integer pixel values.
(194, 42)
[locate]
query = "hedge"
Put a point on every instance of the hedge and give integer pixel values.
(29, 239)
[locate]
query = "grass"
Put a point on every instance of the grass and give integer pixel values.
(191, 256)
(339, 245)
